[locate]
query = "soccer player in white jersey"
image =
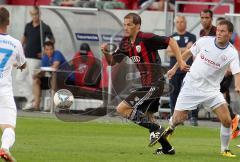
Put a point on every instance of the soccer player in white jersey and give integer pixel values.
(11, 54)
(213, 55)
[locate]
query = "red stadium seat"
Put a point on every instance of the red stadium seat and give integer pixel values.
(221, 9)
(29, 2)
(195, 8)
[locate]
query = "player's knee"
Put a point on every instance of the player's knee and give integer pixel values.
(4, 126)
(226, 123)
(120, 109)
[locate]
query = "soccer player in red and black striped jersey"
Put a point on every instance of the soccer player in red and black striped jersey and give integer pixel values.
(142, 49)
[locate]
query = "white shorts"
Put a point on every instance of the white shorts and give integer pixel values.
(190, 98)
(8, 111)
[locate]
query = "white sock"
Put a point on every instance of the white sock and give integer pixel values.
(171, 123)
(8, 138)
(225, 135)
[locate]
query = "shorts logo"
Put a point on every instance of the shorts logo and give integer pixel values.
(135, 59)
(138, 48)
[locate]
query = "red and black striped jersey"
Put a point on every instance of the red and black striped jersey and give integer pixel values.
(144, 53)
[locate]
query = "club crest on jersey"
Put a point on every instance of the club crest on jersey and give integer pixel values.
(135, 59)
(224, 58)
(138, 48)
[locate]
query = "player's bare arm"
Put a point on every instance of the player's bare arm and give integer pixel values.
(183, 49)
(185, 56)
(107, 55)
(237, 82)
(176, 50)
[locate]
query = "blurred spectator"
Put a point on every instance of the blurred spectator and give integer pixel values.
(130, 4)
(32, 46)
(185, 40)
(114, 5)
(3, 2)
(52, 59)
(87, 69)
(206, 21)
(68, 2)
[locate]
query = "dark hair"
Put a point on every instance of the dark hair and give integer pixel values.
(220, 19)
(48, 43)
(207, 11)
(84, 49)
(135, 17)
(4, 16)
(228, 24)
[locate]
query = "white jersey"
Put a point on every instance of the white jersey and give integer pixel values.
(210, 64)
(11, 52)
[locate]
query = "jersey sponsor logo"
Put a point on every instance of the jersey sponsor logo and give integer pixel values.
(138, 48)
(210, 62)
(135, 59)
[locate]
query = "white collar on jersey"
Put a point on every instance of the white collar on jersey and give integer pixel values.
(219, 46)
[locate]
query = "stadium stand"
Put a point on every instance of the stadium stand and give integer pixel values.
(29, 2)
(197, 8)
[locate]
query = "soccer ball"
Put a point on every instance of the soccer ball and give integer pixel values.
(63, 99)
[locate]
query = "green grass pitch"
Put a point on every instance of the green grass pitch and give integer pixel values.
(51, 140)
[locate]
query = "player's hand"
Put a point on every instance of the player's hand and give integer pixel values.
(108, 48)
(184, 67)
(171, 73)
(22, 67)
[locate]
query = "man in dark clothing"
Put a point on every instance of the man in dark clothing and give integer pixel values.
(32, 44)
(206, 22)
(185, 40)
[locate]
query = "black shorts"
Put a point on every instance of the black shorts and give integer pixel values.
(146, 98)
(45, 83)
(226, 83)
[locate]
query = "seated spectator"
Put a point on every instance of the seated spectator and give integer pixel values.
(51, 58)
(87, 69)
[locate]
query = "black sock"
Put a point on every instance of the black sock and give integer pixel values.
(165, 144)
(141, 119)
(150, 126)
